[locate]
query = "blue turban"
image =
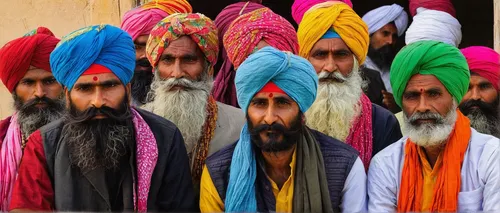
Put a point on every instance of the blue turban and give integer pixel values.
(105, 45)
(297, 78)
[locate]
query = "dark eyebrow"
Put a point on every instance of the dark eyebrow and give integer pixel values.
(189, 56)
(282, 98)
(485, 83)
(258, 99)
(48, 78)
(433, 90)
(140, 43)
(104, 83)
(411, 93)
(110, 82)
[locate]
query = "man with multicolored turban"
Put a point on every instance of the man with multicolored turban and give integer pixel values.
(139, 22)
(248, 33)
(183, 49)
(385, 25)
(335, 40)
(224, 90)
(102, 155)
(38, 100)
(279, 164)
(481, 102)
(443, 165)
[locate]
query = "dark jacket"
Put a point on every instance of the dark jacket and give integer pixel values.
(385, 128)
(338, 157)
(375, 85)
(171, 186)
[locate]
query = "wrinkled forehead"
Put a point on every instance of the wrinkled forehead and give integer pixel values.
(330, 44)
(183, 46)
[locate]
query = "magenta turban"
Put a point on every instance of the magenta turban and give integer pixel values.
(485, 62)
(300, 7)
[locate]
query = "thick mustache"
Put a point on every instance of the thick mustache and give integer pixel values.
(426, 115)
(266, 127)
(38, 100)
(332, 75)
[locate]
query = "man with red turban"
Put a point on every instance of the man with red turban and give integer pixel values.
(38, 100)
(139, 22)
(481, 101)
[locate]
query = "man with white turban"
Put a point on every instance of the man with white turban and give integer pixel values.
(434, 25)
(385, 25)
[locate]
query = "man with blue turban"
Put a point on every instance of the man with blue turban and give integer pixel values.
(279, 164)
(102, 155)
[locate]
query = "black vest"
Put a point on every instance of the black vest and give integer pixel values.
(338, 157)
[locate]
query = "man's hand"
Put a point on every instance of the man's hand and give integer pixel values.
(389, 102)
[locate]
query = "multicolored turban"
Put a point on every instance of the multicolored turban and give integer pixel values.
(300, 7)
(290, 73)
(441, 5)
(379, 17)
(17, 55)
(99, 45)
(442, 60)
(141, 20)
(249, 29)
(339, 16)
(485, 62)
(197, 26)
(434, 25)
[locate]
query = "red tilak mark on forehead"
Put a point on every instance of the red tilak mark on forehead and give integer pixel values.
(95, 78)
(271, 95)
(421, 90)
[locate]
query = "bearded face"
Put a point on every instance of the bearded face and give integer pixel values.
(184, 102)
(383, 56)
(35, 113)
(278, 137)
(95, 143)
(337, 103)
(483, 116)
(141, 82)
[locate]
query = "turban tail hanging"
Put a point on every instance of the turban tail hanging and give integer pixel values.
(17, 55)
(485, 62)
(197, 26)
(442, 60)
(378, 18)
(105, 45)
(323, 17)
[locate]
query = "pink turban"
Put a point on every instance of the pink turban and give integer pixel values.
(441, 5)
(224, 90)
(300, 7)
(141, 20)
(485, 62)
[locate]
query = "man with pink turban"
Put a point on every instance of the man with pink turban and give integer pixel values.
(300, 7)
(139, 22)
(481, 102)
(247, 34)
(224, 90)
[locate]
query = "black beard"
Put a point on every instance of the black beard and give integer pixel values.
(382, 57)
(272, 145)
(141, 81)
(98, 143)
(30, 117)
(485, 118)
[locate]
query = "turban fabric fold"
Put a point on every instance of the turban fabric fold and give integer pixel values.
(441, 5)
(197, 26)
(323, 17)
(300, 7)
(434, 25)
(104, 45)
(249, 29)
(378, 18)
(485, 62)
(444, 61)
(17, 55)
(292, 74)
(141, 20)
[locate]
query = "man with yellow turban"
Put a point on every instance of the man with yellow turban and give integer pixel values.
(139, 22)
(183, 49)
(443, 165)
(335, 40)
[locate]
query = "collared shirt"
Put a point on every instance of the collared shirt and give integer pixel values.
(384, 73)
(480, 176)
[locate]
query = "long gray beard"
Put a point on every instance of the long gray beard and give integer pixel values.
(480, 122)
(336, 105)
(186, 108)
(30, 122)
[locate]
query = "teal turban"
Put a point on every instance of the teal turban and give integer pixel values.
(104, 45)
(292, 74)
(444, 61)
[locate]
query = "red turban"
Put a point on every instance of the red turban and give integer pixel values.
(441, 5)
(485, 62)
(17, 55)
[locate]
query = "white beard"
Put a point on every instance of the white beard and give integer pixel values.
(431, 134)
(186, 108)
(337, 104)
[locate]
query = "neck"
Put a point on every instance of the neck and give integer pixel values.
(278, 165)
(432, 153)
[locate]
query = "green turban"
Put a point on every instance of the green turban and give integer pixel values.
(444, 61)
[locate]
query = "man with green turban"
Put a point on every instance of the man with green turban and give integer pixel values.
(443, 165)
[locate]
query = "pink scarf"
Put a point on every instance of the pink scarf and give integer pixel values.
(10, 157)
(361, 135)
(147, 156)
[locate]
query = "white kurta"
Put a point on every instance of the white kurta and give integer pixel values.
(480, 176)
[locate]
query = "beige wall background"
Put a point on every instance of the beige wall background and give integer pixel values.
(17, 17)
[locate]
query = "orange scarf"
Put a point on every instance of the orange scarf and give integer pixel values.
(447, 187)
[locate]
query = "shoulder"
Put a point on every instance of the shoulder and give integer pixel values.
(382, 113)
(230, 110)
(225, 154)
(483, 146)
(390, 155)
(155, 121)
(332, 145)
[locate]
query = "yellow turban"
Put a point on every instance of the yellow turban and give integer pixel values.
(322, 17)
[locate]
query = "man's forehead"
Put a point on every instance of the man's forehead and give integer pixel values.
(418, 82)
(96, 78)
(330, 44)
(35, 72)
(267, 95)
(181, 46)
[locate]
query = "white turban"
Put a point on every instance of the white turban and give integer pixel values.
(378, 18)
(434, 25)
